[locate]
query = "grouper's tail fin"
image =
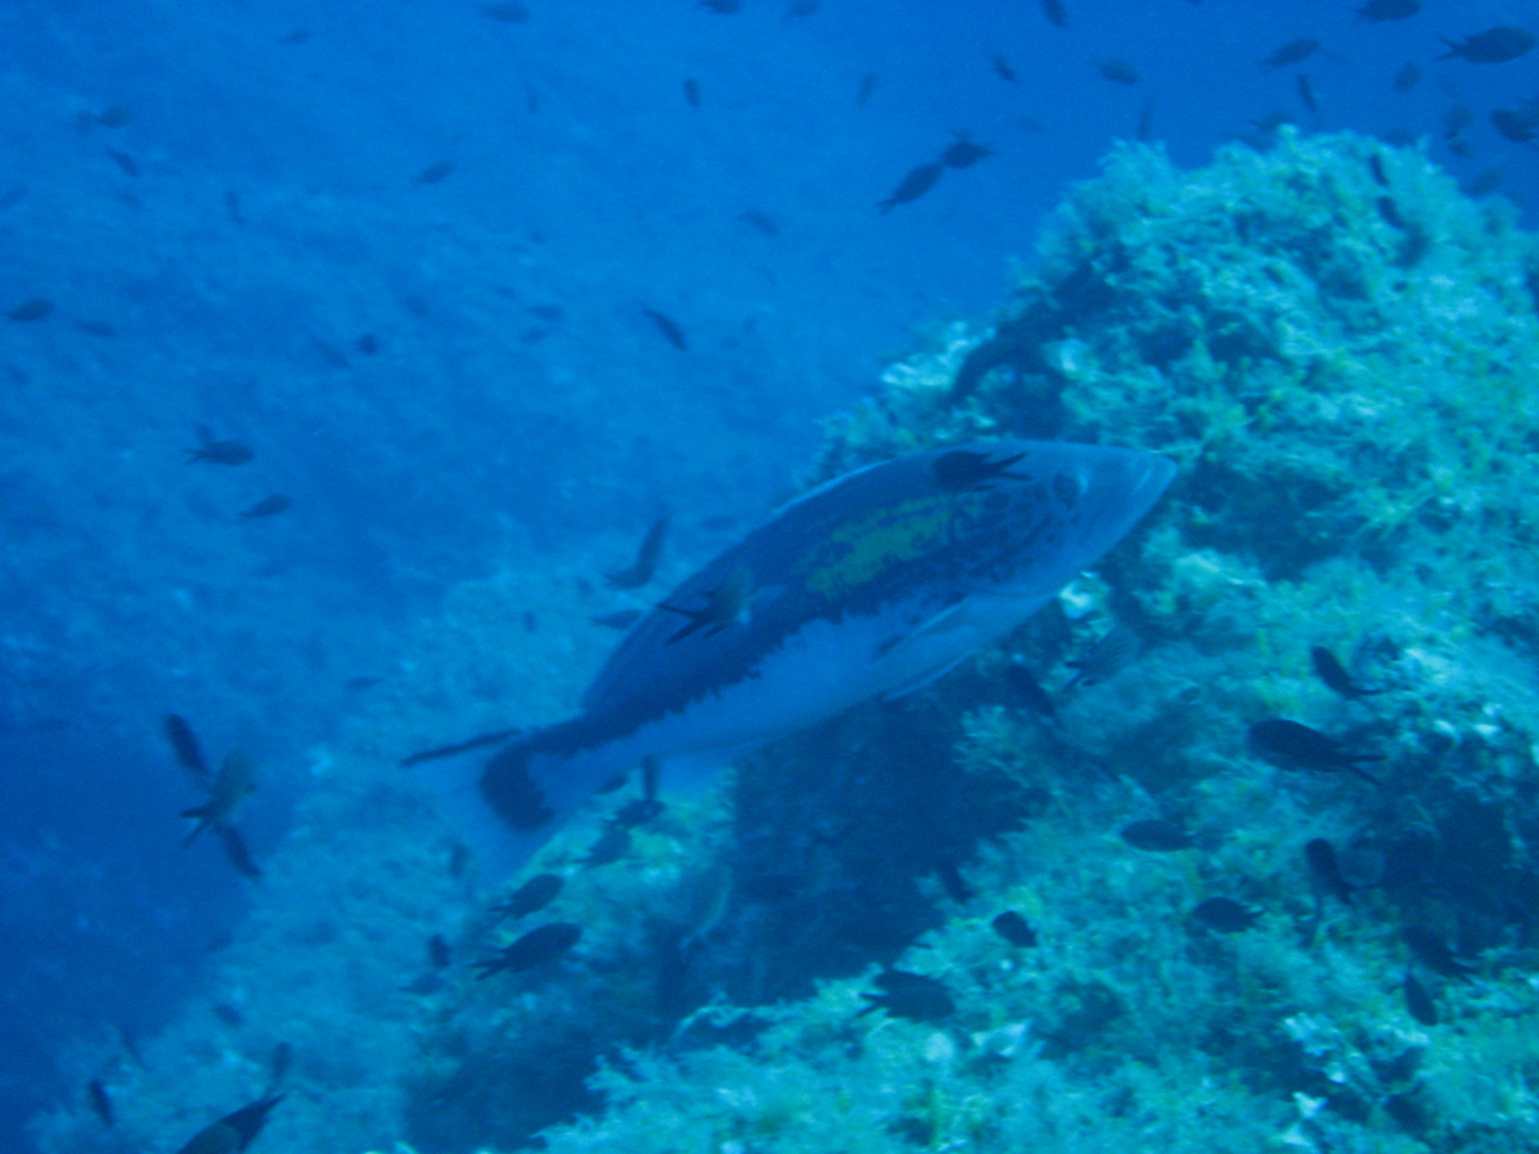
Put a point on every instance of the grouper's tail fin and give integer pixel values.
(507, 806)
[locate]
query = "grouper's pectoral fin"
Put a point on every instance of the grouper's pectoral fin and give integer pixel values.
(910, 661)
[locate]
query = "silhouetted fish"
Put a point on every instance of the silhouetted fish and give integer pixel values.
(101, 1102)
(1433, 952)
(1003, 70)
(1325, 871)
(1116, 70)
(916, 997)
(1293, 52)
(127, 165)
(436, 173)
(692, 92)
(1407, 78)
(1014, 929)
(1497, 45)
(964, 152)
(509, 12)
(671, 330)
(269, 506)
(1156, 835)
(1293, 745)
(531, 897)
(31, 309)
(536, 948)
(184, 744)
(1225, 915)
(1330, 670)
(915, 183)
(1057, 15)
(214, 450)
(1418, 1002)
(865, 89)
(650, 551)
(1378, 11)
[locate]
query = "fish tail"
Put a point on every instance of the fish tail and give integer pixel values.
(203, 815)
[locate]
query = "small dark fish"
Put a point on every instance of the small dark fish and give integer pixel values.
(1407, 78)
(964, 152)
(96, 329)
(459, 859)
(1418, 1002)
(915, 183)
(360, 683)
(101, 1102)
(1307, 94)
(722, 7)
(1325, 871)
(1381, 178)
(1293, 745)
(1030, 691)
(213, 450)
(761, 222)
(1293, 52)
(1484, 183)
(232, 208)
(130, 1044)
(1455, 121)
(127, 165)
(1118, 647)
(511, 12)
(1057, 15)
(1003, 70)
(236, 852)
(1225, 915)
(184, 744)
(916, 997)
(235, 1131)
(229, 1014)
(619, 619)
(612, 845)
(31, 309)
(436, 172)
(1433, 952)
(531, 897)
(966, 470)
(1330, 670)
(114, 116)
(438, 952)
(801, 9)
(1145, 128)
(294, 37)
(692, 92)
(530, 621)
(642, 569)
(1015, 929)
(269, 506)
(671, 330)
(1379, 11)
(1519, 125)
(367, 344)
(227, 789)
(1493, 46)
(1156, 835)
(278, 1065)
(954, 883)
(1116, 70)
(865, 89)
(538, 947)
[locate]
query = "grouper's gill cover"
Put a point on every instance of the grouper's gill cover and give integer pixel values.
(872, 584)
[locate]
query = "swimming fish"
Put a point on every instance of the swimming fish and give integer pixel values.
(1493, 46)
(905, 994)
(873, 584)
(1225, 915)
(1379, 11)
(269, 506)
(230, 786)
(915, 183)
(1293, 745)
(1293, 52)
(640, 571)
(540, 945)
(214, 450)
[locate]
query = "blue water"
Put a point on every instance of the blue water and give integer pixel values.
(445, 373)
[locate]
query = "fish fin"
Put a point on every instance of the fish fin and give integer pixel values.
(924, 680)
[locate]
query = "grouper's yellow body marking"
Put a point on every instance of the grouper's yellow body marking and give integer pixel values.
(861, 550)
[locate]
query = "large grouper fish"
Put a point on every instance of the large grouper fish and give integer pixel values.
(873, 584)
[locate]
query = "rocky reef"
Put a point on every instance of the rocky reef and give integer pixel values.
(929, 924)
